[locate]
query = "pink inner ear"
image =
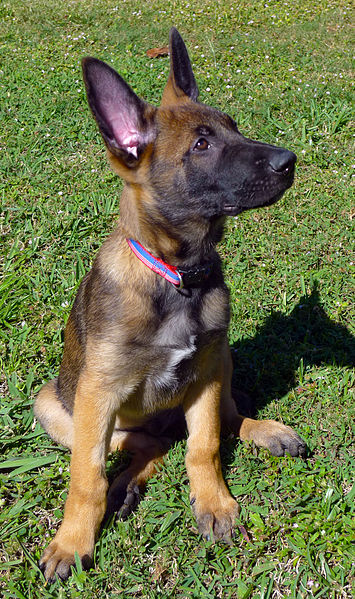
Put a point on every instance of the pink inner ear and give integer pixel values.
(126, 136)
(117, 109)
(122, 120)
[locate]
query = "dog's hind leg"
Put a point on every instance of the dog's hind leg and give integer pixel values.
(52, 415)
(147, 451)
(278, 438)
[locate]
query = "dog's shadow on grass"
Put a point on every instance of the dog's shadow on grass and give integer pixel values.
(266, 366)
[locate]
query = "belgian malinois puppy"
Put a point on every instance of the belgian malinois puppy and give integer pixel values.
(146, 340)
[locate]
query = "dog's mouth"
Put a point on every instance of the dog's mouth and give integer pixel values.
(235, 209)
(231, 210)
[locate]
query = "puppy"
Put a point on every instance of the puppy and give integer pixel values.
(146, 341)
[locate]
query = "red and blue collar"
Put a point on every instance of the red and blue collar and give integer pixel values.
(179, 277)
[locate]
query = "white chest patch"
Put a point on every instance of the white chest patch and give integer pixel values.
(174, 357)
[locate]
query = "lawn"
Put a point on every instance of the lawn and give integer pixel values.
(283, 71)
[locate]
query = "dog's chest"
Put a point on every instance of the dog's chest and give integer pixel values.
(173, 360)
(182, 329)
(173, 351)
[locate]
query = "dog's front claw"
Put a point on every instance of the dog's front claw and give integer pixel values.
(57, 561)
(217, 524)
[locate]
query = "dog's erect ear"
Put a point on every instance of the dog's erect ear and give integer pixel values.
(181, 86)
(119, 113)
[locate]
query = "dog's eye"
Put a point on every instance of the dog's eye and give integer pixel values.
(202, 145)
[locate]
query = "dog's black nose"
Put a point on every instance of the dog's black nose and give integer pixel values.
(283, 160)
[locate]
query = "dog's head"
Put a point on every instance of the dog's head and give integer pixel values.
(191, 157)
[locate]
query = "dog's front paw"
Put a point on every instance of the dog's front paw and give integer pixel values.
(217, 520)
(59, 557)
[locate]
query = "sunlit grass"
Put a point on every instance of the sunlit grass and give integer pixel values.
(283, 71)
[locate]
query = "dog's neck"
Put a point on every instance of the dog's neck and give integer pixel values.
(187, 245)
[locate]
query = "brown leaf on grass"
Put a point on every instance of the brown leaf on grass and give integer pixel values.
(155, 52)
(244, 533)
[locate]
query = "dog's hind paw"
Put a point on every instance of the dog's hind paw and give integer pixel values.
(287, 442)
(122, 498)
(130, 501)
(278, 438)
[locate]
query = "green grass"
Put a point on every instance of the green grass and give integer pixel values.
(283, 70)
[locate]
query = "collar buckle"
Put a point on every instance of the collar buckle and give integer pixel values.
(181, 283)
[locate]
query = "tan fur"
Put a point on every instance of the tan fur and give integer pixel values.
(55, 420)
(212, 504)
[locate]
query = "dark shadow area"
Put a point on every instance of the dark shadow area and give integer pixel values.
(265, 365)
(265, 368)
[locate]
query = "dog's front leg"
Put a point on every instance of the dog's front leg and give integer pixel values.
(214, 508)
(86, 503)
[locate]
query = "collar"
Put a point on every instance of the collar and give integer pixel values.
(180, 278)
